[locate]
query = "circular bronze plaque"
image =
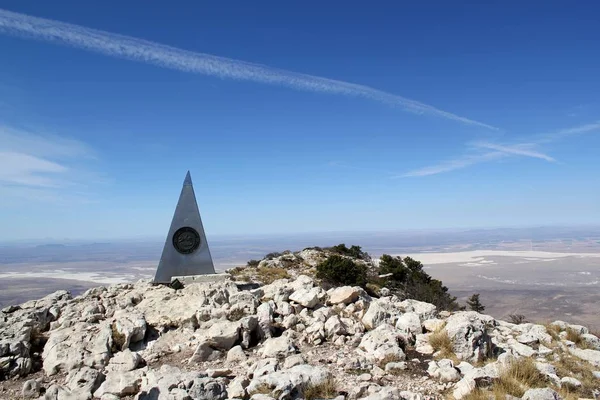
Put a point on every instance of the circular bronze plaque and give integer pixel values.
(186, 240)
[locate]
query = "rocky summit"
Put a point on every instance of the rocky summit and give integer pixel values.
(291, 338)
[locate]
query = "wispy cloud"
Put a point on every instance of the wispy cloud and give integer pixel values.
(199, 63)
(523, 149)
(494, 151)
(42, 164)
(452, 165)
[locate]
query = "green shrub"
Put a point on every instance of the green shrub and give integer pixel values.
(253, 263)
(409, 281)
(342, 271)
(353, 251)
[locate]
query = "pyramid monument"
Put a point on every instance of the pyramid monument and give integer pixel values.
(186, 252)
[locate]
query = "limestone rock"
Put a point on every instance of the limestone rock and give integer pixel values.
(409, 323)
(205, 352)
(464, 387)
(541, 394)
(308, 298)
(468, 331)
(130, 325)
(334, 326)
(380, 311)
(124, 361)
(121, 383)
(382, 343)
(277, 347)
(591, 340)
(422, 309)
(237, 388)
(591, 356)
(570, 382)
(206, 388)
(293, 360)
(84, 381)
(344, 294)
(31, 389)
(288, 381)
(73, 347)
(223, 335)
(396, 366)
(236, 355)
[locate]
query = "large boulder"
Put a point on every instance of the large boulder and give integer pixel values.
(409, 324)
(382, 343)
(73, 347)
(21, 326)
(591, 356)
(469, 333)
(129, 326)
(308, 298)
(344, 294)
(541, 394)
(121, 384)
(279, 347)
(422, 309)
(84, 381)
(288, 383)
(380, 311)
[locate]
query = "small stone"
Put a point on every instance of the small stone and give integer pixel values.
(236, 355)
(541, 394)
(218, 373)
(365, 377)
(396, 366)
(571, 382)
(293, 360)
(31, 389)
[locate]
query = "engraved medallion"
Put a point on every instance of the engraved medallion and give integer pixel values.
(186, 240)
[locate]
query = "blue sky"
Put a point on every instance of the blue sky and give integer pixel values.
(297, 117)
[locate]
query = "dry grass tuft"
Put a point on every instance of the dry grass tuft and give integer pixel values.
(388, 359)
(520, 375)
(568, 365)
(553, 331)
(263, 388)
(478, 394)
(268, 275)
(118, 339)
(574, 337)
(440, 341)
(325, 390)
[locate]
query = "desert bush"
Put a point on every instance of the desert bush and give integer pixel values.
(339, 270)
(268, 275)
(354, 251)
(273, 255)
(517, 319)
(253, 263)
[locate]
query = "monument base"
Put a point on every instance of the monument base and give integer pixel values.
(207, 278)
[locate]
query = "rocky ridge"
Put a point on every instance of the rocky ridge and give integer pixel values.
(288, 339)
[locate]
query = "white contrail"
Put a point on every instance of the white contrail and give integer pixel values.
(173, 58)
(519, 150)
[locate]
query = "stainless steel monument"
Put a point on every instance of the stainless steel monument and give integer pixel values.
(186, 250)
